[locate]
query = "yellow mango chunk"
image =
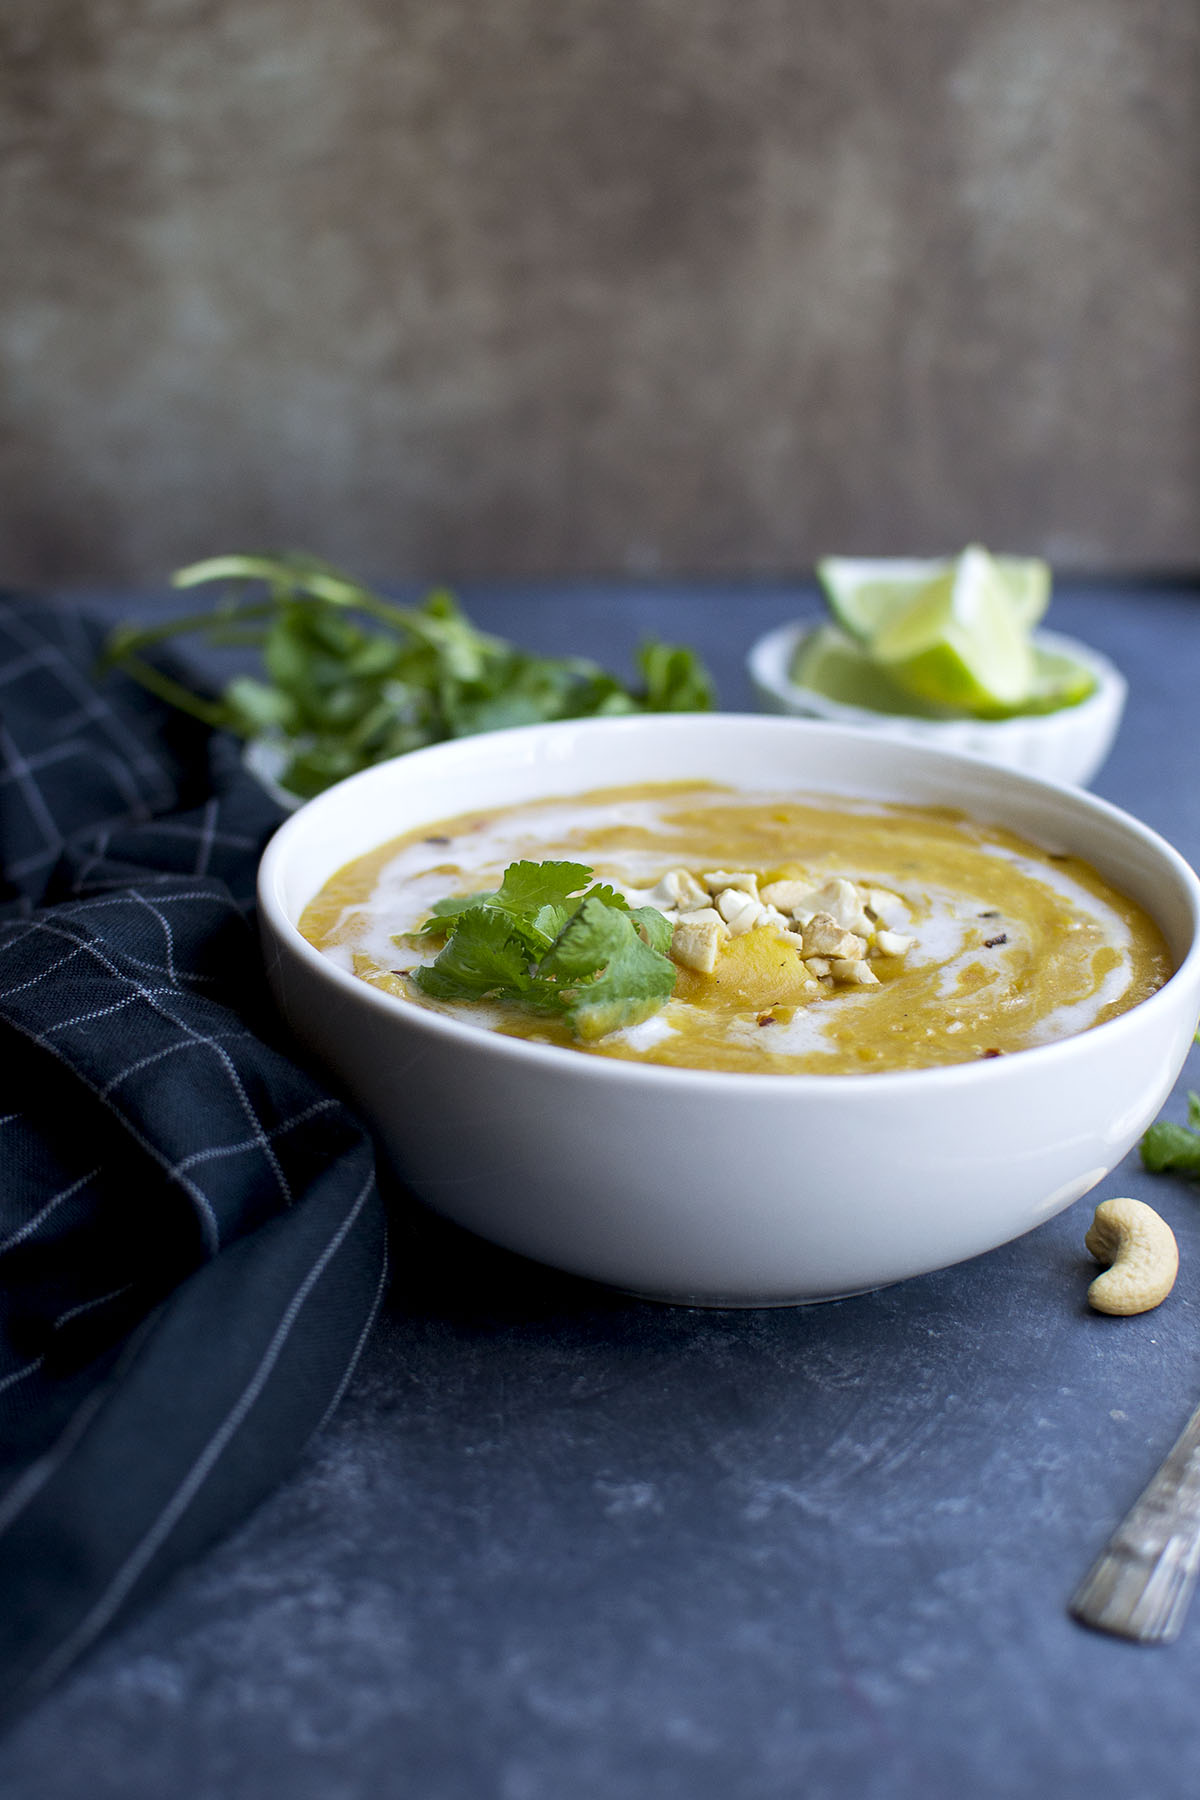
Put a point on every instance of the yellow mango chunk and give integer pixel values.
(757, 970)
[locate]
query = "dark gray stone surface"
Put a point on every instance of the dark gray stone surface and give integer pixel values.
(558, 1541)
(522, 288)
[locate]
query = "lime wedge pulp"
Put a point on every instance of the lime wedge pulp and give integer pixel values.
(829, 663)
(958, 642)
(1058, 682)
(866, 593)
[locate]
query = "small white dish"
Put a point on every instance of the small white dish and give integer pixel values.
(711, 1187)
(266, 760)
(1069, 745)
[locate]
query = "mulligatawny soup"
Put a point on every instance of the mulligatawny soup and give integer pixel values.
(809, 935)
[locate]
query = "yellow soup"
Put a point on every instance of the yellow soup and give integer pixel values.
(812, 935)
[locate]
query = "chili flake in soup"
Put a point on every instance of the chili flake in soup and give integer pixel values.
(812, 935)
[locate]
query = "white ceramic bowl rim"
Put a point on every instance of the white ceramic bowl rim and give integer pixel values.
(611, 1069)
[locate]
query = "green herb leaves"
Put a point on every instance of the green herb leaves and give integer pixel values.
(1175, 1147)
(549, 941)
(350, 679)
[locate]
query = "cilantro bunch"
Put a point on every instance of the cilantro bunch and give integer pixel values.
(349, 678)
(551, 942)
(1167, 1145)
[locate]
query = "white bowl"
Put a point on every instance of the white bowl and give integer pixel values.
(722, 1188)
(1069, 745)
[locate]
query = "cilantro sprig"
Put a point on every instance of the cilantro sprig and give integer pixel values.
(551, 942)
(349, 678)
(1167, 1145)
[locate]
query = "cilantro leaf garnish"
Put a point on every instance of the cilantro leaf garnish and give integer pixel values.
(349, 678)
(614, 977)
(586, 956)
(534, 897)
(483, 958)
(1167, 1145)
(529, 885)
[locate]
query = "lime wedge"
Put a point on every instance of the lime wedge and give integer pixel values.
(831, 664)
(1058, 681)
(1026, 581)
(866, 593)
(959, 643)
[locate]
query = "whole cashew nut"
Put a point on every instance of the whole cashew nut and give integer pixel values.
(1141, 1251)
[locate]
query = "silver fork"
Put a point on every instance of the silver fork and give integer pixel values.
(1142, 1582)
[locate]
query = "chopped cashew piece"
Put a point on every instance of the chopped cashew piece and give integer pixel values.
(785, 894)
(680, 888)
(856, 973)
(740, 910)
(840, 898)
(706, 915)
(824, 936)
(745, 880)
(1142, 1254)
(892, 943)
(770, 915)
(888, 908)
(697, 938)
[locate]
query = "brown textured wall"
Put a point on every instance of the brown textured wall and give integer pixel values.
(534, 286)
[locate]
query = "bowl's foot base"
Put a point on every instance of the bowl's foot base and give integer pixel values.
(738, 1303)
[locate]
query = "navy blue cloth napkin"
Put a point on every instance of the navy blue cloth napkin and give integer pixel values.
(192, 1244)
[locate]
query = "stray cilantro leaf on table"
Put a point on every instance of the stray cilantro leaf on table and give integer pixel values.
(350, 678)
(547, 940)
(1168, 1146)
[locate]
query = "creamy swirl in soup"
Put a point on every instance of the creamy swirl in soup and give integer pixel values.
(849, 936)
